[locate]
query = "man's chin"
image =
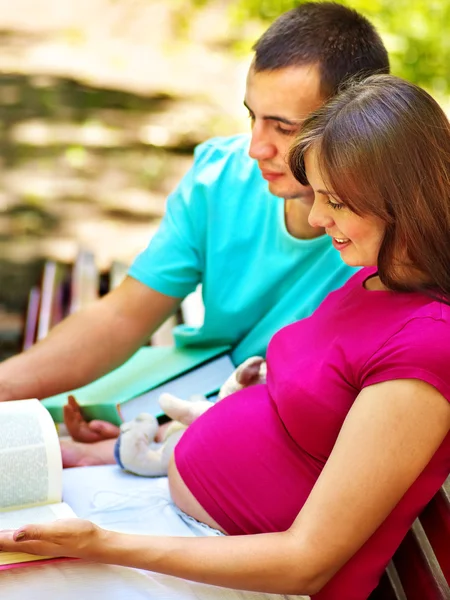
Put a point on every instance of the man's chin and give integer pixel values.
(277, 189)
(291, 192)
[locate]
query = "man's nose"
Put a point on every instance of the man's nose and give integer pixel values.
(261, 148)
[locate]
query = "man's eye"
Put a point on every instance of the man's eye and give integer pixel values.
(285, 131)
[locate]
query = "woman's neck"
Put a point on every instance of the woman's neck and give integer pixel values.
(374, 284)
(407, 276)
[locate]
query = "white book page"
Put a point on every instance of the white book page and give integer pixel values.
(39, 514)
(30, 456)
(13, 519)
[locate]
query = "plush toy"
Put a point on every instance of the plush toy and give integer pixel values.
(137, 451)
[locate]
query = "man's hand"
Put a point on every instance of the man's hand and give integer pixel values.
(75, 538)
(82, 431)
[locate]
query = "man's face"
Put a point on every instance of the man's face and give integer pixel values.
(278, 101)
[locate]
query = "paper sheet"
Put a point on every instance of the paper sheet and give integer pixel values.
(30, 458)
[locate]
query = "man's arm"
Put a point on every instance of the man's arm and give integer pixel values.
(87, 344)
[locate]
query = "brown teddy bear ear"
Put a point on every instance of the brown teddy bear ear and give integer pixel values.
(248, 373)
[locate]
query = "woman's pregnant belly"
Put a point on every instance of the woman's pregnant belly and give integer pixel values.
(238, 470)
(184, 499)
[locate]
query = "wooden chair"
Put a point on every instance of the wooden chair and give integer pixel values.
(420, 569)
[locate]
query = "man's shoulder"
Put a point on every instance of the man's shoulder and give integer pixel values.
(226, 156)
(225, 145)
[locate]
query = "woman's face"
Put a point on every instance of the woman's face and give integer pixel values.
(358, 239)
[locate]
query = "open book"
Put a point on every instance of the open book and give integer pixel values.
(30, 471)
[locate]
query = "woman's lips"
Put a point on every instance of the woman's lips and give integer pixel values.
(340, 243)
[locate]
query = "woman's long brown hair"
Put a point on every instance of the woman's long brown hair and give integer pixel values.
(384, 149)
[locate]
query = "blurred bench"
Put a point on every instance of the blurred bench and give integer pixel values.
(65, 289)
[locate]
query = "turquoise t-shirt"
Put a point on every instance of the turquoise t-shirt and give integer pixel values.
(224, 229)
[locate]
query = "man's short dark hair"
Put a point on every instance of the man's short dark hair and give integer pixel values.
(338, 39)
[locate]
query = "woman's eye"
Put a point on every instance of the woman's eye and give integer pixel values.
(335, 205)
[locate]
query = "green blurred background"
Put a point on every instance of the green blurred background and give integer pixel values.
(416, 33)
(103, 101)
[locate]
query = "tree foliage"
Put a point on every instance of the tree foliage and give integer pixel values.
(415, 33)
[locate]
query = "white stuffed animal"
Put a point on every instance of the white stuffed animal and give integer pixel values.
(137, 451)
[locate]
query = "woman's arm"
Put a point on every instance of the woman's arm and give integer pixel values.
(389, 436)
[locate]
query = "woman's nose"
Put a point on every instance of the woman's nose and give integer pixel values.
(319, 216)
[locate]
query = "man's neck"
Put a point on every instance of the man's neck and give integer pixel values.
(296, 211)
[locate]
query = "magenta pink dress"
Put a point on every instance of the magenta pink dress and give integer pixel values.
(252, 460)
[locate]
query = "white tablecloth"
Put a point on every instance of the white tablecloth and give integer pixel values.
(123, 502)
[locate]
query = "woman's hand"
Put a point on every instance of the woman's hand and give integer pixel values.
(75, 538)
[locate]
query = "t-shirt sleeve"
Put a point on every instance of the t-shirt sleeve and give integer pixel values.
(173, 262)
(420, 350)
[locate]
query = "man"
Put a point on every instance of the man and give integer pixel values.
(238, 223)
